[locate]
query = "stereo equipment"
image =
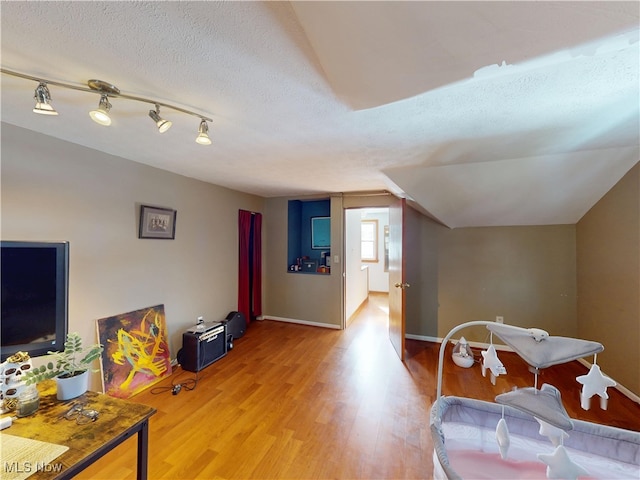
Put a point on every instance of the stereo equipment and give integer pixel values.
(201, 348)
(236, 324)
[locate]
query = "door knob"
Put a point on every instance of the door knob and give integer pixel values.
(402, 285)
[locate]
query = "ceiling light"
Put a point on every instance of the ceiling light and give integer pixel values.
(162, 124)
(101, 114)
(43, 97)
(106, 91)
(203, 135)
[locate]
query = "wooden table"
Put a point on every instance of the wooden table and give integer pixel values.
(118, 420)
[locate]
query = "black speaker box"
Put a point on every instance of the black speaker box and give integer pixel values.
(236, 324)
(201, 349)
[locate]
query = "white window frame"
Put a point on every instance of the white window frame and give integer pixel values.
(374, 241)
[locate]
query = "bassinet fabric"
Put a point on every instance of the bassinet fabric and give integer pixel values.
(612, 444)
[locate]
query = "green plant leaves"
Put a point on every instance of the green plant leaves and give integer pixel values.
(72, 361)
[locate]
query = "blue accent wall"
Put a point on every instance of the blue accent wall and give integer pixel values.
(299, 228)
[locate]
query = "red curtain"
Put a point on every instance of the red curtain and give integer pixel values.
(257, 266)
(250, 264)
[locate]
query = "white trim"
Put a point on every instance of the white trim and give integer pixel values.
(301, 322)
(424, 338)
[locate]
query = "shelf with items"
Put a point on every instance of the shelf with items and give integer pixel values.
(305, 265)
(309, 236)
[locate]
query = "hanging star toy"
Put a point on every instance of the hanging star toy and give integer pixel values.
(594, 383)
(555, 434)
(491, 361)
(559, 465)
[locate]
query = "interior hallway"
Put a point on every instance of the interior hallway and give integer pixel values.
(298, 402)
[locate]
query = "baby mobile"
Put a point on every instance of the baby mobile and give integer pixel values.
(540, 350)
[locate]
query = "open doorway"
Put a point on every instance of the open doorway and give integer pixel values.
(366, 261)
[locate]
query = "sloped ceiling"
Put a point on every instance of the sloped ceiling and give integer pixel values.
(483, 113)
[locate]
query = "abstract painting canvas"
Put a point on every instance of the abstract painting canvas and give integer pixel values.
(136, 351)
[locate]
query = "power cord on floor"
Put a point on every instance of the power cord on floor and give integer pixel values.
(176, 387)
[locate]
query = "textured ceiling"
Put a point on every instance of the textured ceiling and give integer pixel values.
(483, 113)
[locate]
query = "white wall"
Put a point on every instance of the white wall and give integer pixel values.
(54, 190)
(356, 278)
(378, 278)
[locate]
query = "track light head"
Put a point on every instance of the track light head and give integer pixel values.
(162, 124)
(43, 99)
(101, 114)
(203, 134)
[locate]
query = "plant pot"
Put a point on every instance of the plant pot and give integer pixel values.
(72, 387)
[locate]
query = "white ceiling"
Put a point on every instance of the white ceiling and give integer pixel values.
(483, 113)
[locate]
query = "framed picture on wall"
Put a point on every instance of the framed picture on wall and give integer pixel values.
(157, 222)
(320, 232)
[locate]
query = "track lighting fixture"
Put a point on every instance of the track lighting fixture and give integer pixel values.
(162, 124)
(101, 114)
(203, 134)
(43, 99)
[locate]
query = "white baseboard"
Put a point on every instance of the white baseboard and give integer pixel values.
(423, 338)
(505, 348)
(301, 322)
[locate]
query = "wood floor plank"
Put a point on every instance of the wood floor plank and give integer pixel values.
(300, 402)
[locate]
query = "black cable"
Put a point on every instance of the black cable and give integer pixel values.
(176, 387)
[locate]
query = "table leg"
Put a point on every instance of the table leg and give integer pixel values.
(143, 445)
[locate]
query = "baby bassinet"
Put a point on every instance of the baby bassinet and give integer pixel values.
(465, 437)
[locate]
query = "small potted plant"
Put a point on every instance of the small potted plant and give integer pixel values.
(71, 368)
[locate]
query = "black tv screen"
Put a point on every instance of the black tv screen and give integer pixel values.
(35, 285)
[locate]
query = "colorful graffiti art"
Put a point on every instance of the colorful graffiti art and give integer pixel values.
(136, 351)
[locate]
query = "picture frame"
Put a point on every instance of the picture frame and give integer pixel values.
(320, 233)
(157, 223)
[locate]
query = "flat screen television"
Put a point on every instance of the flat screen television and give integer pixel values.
(35, 297)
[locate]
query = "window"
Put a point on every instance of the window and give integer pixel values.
(369, 240)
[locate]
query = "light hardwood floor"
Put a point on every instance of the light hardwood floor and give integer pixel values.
(300, 402)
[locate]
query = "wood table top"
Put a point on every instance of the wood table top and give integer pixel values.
(116, 418)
